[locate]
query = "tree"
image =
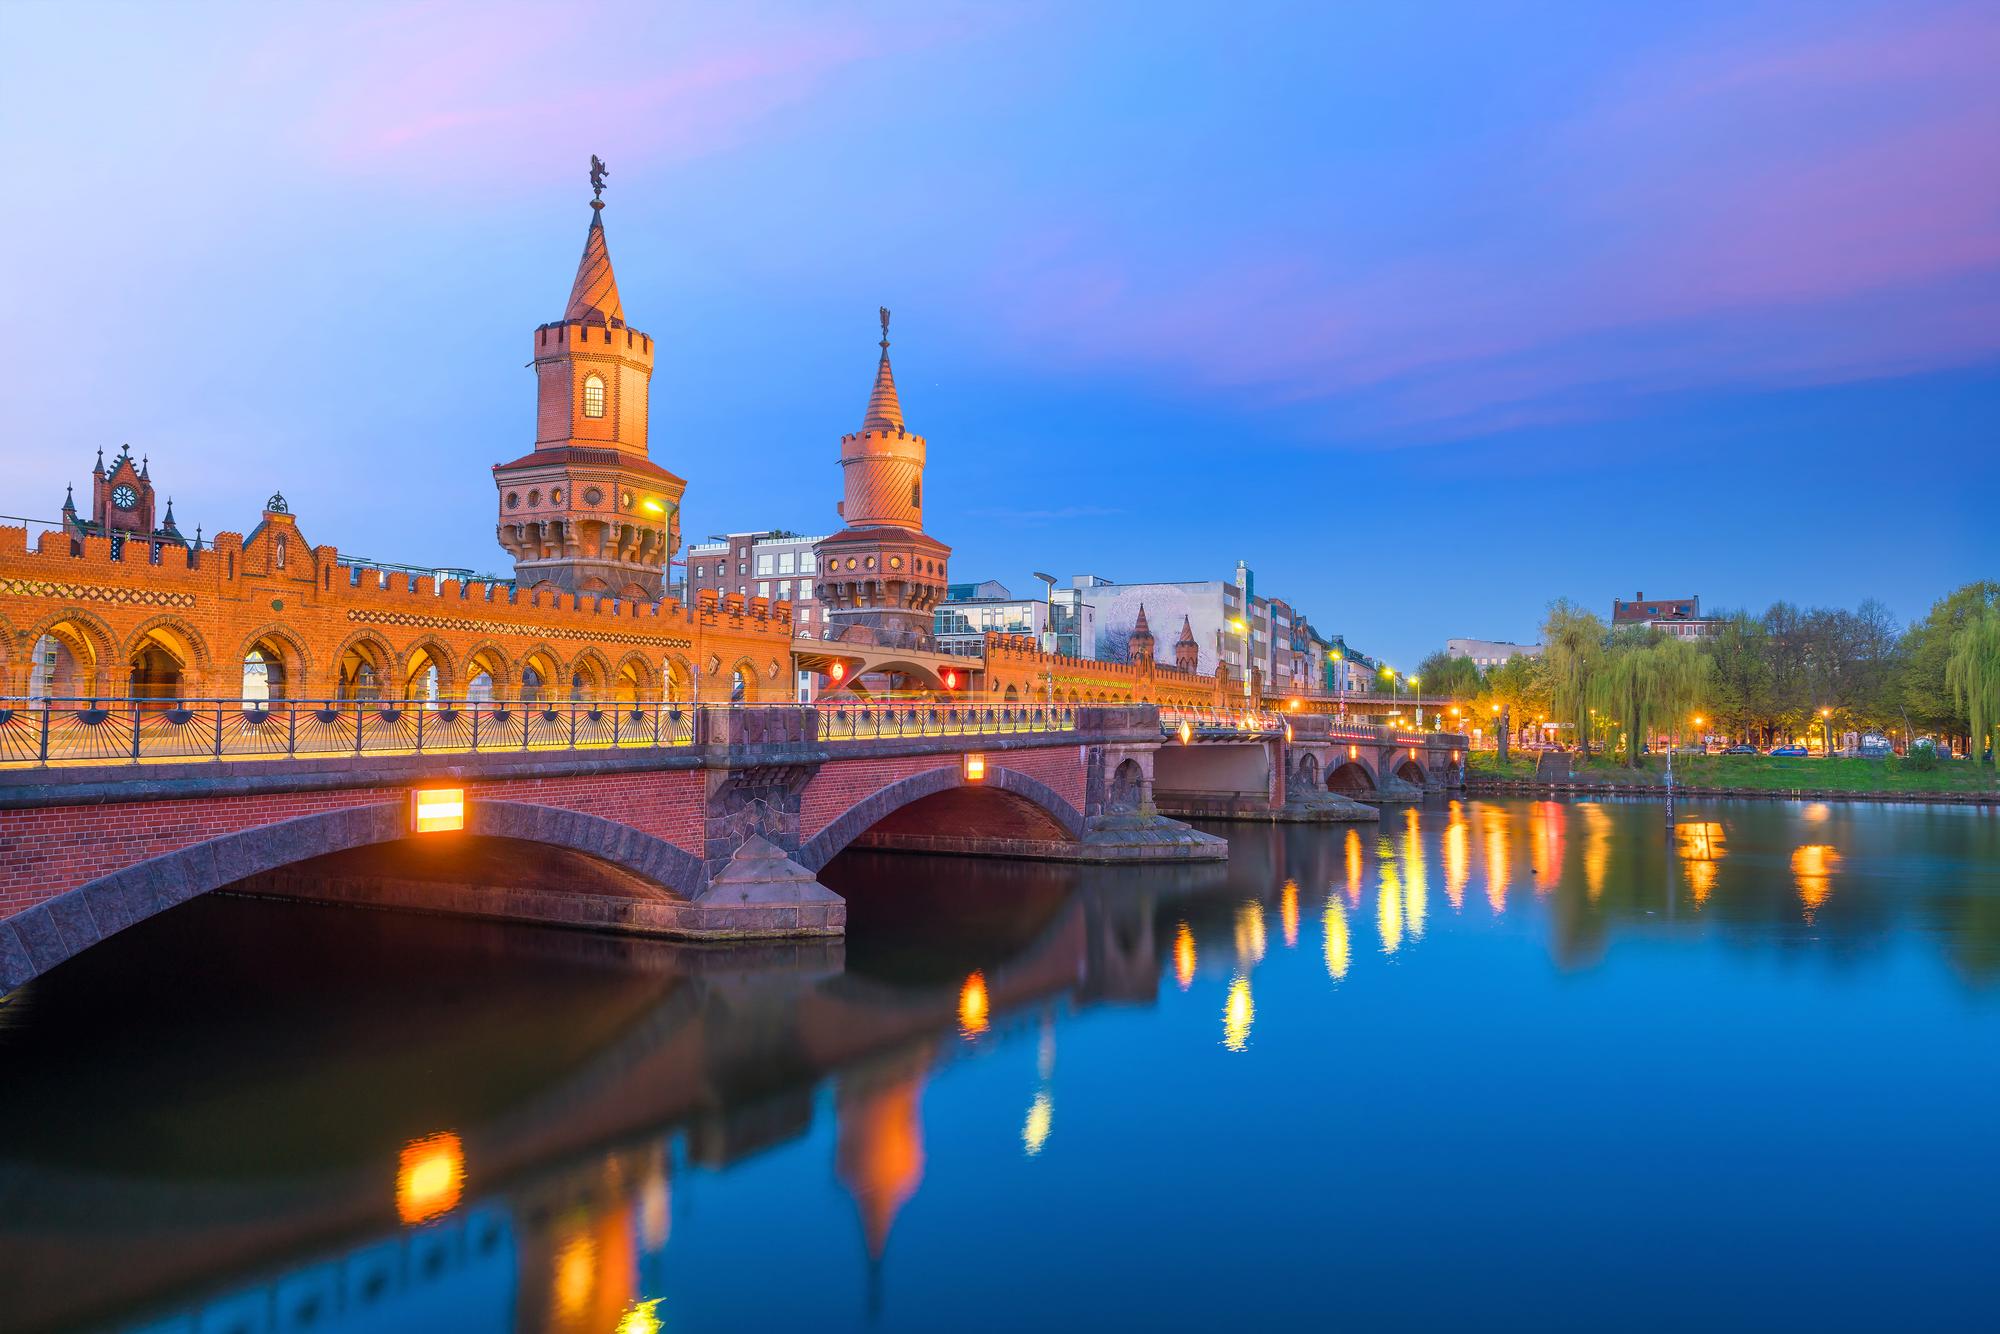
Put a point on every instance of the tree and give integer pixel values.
(1739, 691)
(1651, 681)
(1973, 673)
(1573, 650)
(1442, 674)
(1926, 648)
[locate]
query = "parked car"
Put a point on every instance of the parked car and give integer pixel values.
(1745, 749)
(1790, 752)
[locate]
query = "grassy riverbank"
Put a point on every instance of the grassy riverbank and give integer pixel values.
(1766, 773)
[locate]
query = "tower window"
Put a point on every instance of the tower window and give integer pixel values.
(916, 494)
(593, 397)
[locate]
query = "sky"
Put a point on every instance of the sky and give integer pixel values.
(1431, 313)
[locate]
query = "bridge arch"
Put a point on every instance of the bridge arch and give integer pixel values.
(1014, 794)
(428, 656)
(489, 673)
(1351, 778)
(69, 923)
(1410, 771)
(167, 659)
(286, 661)
(361, 667)
(1305, 774)
(85, 649)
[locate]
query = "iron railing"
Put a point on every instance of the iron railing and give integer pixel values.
(78, 731)
(67, 732)
(867, 722)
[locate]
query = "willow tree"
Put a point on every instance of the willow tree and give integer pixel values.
(1644, 684)
(1973, 674)
(1572, 652)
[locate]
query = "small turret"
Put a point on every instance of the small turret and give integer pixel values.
(1187, 651)
(1139, 645)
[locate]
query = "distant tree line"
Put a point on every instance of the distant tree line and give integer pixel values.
(1763, 678)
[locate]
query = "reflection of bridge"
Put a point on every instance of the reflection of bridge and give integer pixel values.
(728, 1051)
(710, 820)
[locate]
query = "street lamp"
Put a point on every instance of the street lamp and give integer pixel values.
(1420, 701)
(1826, 730)
(1340, 680)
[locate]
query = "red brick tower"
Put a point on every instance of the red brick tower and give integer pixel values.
(1139, 645)
(1187, 652)
(588, 511)
(881, 576)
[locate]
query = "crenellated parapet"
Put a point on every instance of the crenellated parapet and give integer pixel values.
(78, 620)
(1016, 662)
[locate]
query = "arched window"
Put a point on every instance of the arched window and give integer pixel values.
(256, 678)
(916, 494)
(593, 396)
(531, 686)
(479, 690)
(280, 551)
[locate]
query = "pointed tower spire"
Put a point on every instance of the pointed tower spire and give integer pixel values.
(885, 410)
(69, 500)
(100, 460)
(1140, 627)
(593, 297)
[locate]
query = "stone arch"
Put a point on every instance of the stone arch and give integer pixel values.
(427, 652)
(1012, 696)
(634, 681)
(587, 678)
(865, 814)
(92, 647)
(676, 679)
(361, 667)
(1350, 777)
(167, 659)
(489, 660)
(541, 676)
(287, 677)
(1411, 771)
(64, 926)
(744, 671)
(1305, 774)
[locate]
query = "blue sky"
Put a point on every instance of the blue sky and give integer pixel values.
(1430, 312)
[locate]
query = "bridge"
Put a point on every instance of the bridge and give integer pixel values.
(727, 1053)
(697, 821)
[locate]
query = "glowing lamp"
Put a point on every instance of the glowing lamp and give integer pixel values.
(651, 506)
(1187, 731)
(975, 768)
(950, 679)
(837, 673)
(1354, 752)
(1288, 732)
(430, 1174)
(435, 810)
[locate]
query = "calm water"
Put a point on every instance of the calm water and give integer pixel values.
(1507, 1064)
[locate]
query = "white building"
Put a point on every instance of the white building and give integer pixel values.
(1489, 653)
(774, 564)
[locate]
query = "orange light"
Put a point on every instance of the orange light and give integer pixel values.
(1354, 752)
(975, 768)
(430, 1174)
(1187, 731)
(437, 809)
(1184, 956)
(950, 679)
(837, 673)
(973, 1006)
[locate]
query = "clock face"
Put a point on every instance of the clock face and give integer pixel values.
(124, 497)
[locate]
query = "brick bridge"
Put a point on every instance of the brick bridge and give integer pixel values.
(707, 821)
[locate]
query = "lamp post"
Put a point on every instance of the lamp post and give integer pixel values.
(1826, 730)
(1418, 695)
(1340, 681)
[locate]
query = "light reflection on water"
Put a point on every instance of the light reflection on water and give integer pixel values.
(1659, 1052)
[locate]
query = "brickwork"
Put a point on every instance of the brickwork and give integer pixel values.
(49, 850)
(302, 606)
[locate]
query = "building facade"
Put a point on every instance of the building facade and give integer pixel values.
(1488, 653)
(1680, 617)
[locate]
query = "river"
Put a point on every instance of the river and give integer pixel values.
(1496, 1064)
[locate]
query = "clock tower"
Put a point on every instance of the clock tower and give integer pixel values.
(121, 499)
(587, 510)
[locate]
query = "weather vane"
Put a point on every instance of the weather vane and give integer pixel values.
(884, 312)
(598, 171)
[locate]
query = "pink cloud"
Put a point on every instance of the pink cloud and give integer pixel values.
(1775, 212)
